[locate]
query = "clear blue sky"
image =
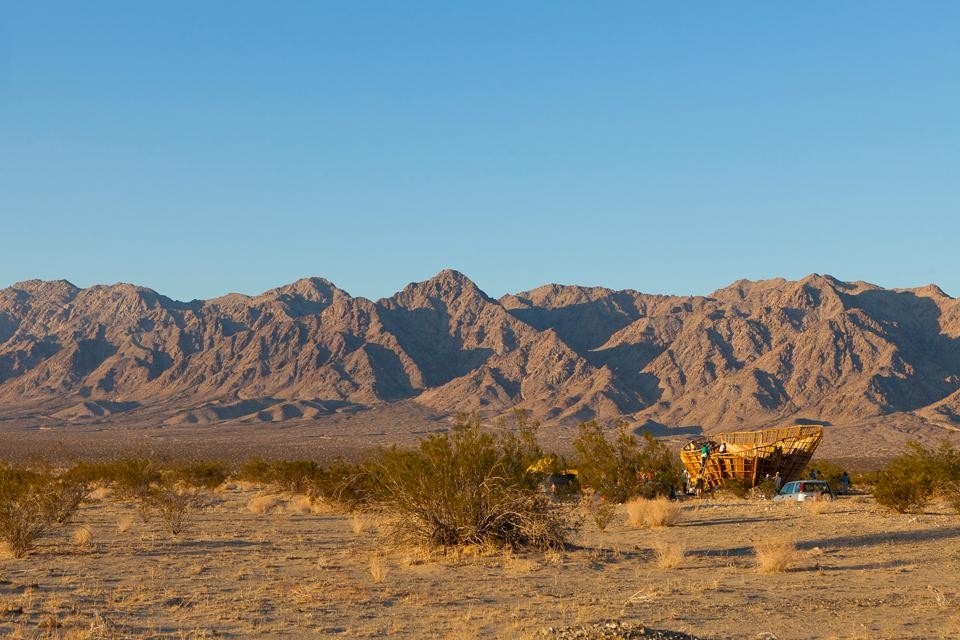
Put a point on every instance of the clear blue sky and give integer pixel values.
(205, 147)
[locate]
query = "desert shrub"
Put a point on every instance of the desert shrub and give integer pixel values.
(735, 488)
(599, 511)
(344, 484)
(341, 483)
(464, 487)
(658, 512)
(951, 494)
(669, 554)
(64, 496)
(202, 474)
(295, 476)
(775, 556)
(25, 509)
(766, 489)
(908, 482)
(621, 468)
(130, 478)
(173, 503)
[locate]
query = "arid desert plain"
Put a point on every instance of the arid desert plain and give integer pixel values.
(259, 564)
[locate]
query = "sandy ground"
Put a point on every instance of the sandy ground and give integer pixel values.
(234, 573)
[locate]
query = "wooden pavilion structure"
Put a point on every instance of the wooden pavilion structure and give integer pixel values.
(750, 456)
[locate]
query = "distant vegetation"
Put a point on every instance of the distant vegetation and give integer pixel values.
(467, 486)
(910, 481)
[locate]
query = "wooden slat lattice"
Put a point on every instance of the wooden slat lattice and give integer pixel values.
(752, 456)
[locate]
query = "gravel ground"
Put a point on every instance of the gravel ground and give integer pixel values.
(612, 630)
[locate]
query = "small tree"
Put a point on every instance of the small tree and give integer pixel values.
(621, 468)
(908, 482)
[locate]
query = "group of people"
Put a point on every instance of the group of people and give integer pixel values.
(708, 447)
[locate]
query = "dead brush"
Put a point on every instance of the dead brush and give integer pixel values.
(378, 569)
(361, 522)
(818, 507)
(669, 553)
(658, 512)
(174, 504)
(82, 537)
(775, 556)
(262, 504)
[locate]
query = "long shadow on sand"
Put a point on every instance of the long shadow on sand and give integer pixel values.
(918, 535)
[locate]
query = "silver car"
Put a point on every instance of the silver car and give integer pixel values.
(801, 490)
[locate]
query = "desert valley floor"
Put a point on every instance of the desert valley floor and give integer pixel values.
(256, 564)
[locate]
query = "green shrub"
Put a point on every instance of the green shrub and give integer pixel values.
(907, 483)
(342, 483)
(467, 486)
(951, 494)
(205, 474)
(296, 476)
(735, 488)
(26, 512)
(826, 470)
(766, 489)
(621, 469)
(130, 478)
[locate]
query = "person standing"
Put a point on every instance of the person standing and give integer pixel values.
(844, 483)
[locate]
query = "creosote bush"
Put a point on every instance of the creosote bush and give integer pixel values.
(467, 487)
(909, 481)
(31, 502)
(623, 467)
(174, 503)
(341, 483)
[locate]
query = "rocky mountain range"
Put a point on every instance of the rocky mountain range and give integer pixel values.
(749, 355)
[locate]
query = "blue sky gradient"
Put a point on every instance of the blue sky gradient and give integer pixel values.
(200, 148)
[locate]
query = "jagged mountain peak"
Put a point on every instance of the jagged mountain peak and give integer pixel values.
(931, 291)
(448, 286)
(63, 289)
(309, 289)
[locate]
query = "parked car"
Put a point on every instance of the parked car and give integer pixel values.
(801, 490)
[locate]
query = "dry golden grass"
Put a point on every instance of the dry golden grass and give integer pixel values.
(82, 536)
(124, 523)
(262, 504)
(669, 553)
(775, 556)
(818, 507)
(658, 512)
(100, 493)
(300, 505)
(361, 522)
(248, 575)
(378, 568)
